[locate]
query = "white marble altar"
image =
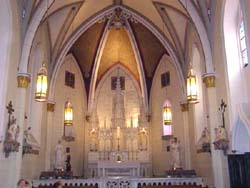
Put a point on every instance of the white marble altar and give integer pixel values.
(123, 168)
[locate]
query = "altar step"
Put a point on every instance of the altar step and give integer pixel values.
(122, 182)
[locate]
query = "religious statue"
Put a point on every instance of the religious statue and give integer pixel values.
(59, 157)
(107, 144)
(135, 144)
(143, 140)
(129, 143)
(93, 140)
(203, 144)
(221, 139)
(11, 143)
(30, 144)
(68, 165)
(101, 144)
(175, 153)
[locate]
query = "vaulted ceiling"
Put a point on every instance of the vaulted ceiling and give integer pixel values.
(117, 37)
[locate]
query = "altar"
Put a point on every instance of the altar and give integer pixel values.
(125, 168)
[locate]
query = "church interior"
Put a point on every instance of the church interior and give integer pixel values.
(125, 93)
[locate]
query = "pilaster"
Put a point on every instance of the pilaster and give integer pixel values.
(184, 109)
(50, 118)
(23, 81)
(219, 160)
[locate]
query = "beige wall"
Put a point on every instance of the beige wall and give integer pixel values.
(161, 158)
(77, 97)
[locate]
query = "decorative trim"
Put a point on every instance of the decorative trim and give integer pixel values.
(23, 80)
(209, 80)
(51, 106)
(184, 107)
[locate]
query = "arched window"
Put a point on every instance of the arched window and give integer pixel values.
(166, 116)
(243, 46)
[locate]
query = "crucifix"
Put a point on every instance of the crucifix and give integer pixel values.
(10, 111)
(222, 108)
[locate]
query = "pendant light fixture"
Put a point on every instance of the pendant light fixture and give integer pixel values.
(41, 84)
(167, 115)
(192, 88)
(68, 114)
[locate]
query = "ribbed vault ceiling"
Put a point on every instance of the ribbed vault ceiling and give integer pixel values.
(169, 16)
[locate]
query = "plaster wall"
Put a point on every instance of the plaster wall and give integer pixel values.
(9, 63)
(77, 97)
(36, 112)
(173, 92)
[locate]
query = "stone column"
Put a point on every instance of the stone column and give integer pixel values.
(219, 160)
(23, 80)
(50, 118)
(184, 109)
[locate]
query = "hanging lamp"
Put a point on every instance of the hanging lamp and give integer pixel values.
(192, 88)
(41, 84)
(68, 114)
(167, 115)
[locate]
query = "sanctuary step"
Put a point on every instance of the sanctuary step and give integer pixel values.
(178, 173)
(70, 186)
(120, 182)
(171, 186)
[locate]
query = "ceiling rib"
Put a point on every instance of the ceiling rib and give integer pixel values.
(96, 66)
(64, 29)
(139, 64)
(166, 19)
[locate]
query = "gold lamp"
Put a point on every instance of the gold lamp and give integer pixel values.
(167, 115)
(41, 84)
(68, 114)
(192, 88)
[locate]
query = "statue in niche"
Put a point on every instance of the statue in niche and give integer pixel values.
(101, 144)
(203, 144)
(59, 157)
(11, 143)
(143, 140)
(175, 154)
(93, 140)
(108, 144)
(30, 144)
(128, 144)
(135, 144)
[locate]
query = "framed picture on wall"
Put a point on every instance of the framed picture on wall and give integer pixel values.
(69, 79)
